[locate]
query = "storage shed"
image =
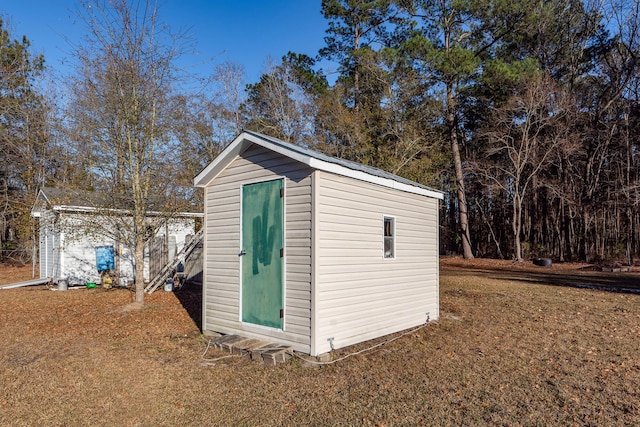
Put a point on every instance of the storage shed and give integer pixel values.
(314, 252)
(72, 251)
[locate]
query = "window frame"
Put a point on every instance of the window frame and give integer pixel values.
(392, 237)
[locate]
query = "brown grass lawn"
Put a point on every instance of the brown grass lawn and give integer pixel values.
(512, 347)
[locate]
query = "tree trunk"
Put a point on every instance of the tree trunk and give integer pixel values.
(516, 226)
(584, 239)
(356, 68)
(457, 163)
(139, 256)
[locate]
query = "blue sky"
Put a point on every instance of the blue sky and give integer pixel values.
(243, 32)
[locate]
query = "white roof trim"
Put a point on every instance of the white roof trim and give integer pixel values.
(45, 196)
(88, 209)
(243, 140)
(363, 176)
(218, 164)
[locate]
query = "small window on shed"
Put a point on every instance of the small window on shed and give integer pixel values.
(389, 237)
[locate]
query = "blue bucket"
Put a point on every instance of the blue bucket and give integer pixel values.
(105, 256)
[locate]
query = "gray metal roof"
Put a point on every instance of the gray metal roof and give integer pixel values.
(341, 162)
(78, 198)
(74, 199)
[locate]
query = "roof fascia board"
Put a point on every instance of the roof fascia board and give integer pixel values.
(218, 164)
(300, 157)
(87, 209)
(233, 150)
(363, 176)
(43, 194)
(35, 212)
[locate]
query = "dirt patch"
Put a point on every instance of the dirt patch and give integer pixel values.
(13, 273)
(130, 307)
(559, 274)
(509, 265)
(508, 349)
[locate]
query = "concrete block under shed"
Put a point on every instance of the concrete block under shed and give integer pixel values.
(276, 356)
(271, 354)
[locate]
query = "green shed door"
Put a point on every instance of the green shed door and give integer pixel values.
(262, 253)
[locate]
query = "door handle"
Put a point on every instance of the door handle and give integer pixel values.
(242, 252)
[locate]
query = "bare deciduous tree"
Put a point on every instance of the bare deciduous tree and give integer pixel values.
(122, 110)
(522, 137)
(230, 84)
(279, 105)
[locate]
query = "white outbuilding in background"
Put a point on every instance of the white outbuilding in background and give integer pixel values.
(74, 244)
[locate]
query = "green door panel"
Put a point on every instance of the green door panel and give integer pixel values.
(262, 244)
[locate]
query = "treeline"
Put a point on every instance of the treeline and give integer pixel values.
(23, 141)
(525, 113)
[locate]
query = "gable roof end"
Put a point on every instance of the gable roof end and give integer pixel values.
(312, 159)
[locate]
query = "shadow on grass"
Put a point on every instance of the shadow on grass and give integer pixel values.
(604, 281)
(610, 282)
(190, 296)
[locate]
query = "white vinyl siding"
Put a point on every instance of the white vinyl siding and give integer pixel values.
(49, 262)
(221, 298)
(68, 242)
(43, 248)
(359, 295)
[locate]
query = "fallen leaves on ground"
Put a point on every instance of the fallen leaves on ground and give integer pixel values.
(512, 347)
